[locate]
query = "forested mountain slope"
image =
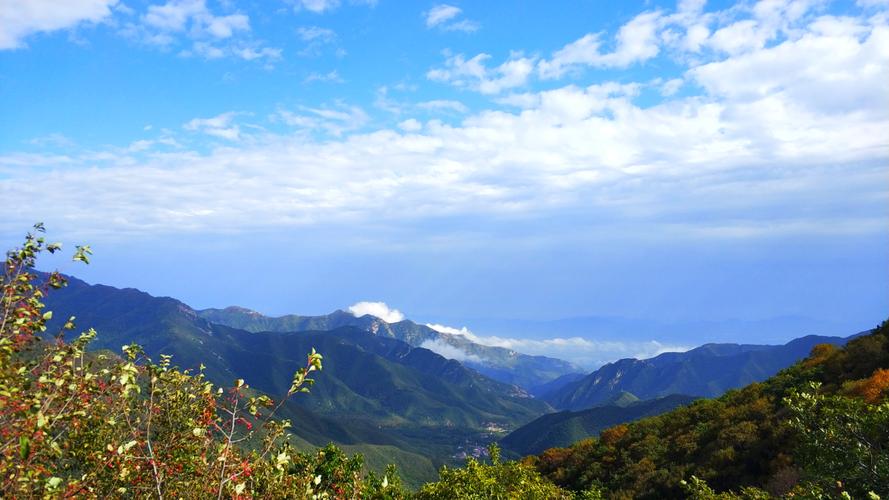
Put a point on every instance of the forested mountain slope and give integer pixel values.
(498, 363)
(772, 435)
(706, 371)
(565, 428)
(374, 391)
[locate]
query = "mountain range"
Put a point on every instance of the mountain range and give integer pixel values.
(498, 363)
(393, 402)
(385, 394)
(706, 371)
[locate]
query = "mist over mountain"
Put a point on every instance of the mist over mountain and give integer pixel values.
(505, 365)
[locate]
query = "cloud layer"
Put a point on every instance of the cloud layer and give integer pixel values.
(775, 99)
(587, 353)
(18, 19)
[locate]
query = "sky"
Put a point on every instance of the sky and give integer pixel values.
(680, 169)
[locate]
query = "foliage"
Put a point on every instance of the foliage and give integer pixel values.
(698, 489)
(498, 480)
(845, 443)
(567, 427)
(778, 436)
(78, 424)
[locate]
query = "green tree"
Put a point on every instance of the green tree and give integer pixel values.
(98, 425)
(844, 443)
(497, 480)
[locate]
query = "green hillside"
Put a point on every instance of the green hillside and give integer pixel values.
(706, 371)
(765, 435)
(375, 394)
(568, 427)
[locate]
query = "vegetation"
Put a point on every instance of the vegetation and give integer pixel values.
(706, 371)
(498, 363)
(85, 424)
(77, 424)
(817, 429)
(500, 480)
(567, 427)
(377, 396)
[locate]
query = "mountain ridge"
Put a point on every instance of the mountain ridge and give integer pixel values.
(706, 371)
(499, 363)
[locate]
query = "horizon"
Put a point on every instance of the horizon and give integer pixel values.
(480, 166)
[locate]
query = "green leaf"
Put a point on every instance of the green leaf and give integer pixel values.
(24, 447)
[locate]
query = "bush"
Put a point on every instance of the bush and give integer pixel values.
(499, 480)
(91, 425)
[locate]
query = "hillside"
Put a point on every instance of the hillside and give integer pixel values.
(706, 371)
(568, 427)
(375, 394)
(498, 363)
(743, 438)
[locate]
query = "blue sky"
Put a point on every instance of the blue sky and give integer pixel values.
(669, 162)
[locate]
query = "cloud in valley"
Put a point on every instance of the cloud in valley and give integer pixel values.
(581, 351)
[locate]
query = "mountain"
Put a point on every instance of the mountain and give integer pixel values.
(498, 363)
(383, 397)
(555, 384)
(747, 437)
(706, 371)
(568, 427)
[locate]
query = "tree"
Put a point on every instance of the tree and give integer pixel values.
(80, 424)
(498, 480)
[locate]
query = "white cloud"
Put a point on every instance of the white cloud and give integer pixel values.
(475, 75)
(464, 25)
(218, 126)
(316, 6)
(179, 15)
(226, 26)
(637, 41)
(377, 309)
(322, 6)
(440, 14)
(443, 105)
(194, 27)
(585, 352)
(410, 125)
(316, 34)
(21, 19)
(329, 77)
(670, 87)
(336, 120)
(797, 122)
(251, 53)
(444, 16)
(316, 39)
(451, 352)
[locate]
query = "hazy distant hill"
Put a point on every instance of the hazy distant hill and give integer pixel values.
(498, 363)
(567, 427)
(378, 395)
(707, 371)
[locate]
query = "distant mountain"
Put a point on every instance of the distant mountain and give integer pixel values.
(555, 384)
(498, 363)
(565, 428)
(377, 395)
(707, 371)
